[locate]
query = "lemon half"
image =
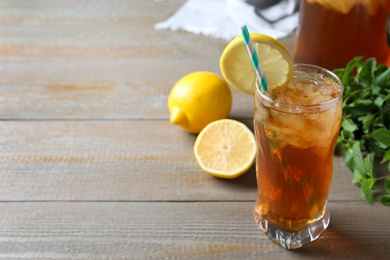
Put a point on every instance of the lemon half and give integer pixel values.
(225, 148)
(237, 69)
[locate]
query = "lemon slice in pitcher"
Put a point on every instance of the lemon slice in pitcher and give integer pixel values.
(237, 69)
(339, 6)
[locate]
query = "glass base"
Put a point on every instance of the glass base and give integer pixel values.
(294, 240)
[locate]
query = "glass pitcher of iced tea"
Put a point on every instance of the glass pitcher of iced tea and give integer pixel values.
(332, 32)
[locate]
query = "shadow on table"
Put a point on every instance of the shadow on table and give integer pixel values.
(341, 243)
(247, 180)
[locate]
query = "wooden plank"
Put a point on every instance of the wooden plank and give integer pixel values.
(119, 160)
(140, 230)
(127, 101)
(114, 66)
(54, 68)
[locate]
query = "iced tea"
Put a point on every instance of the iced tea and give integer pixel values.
(333, 32)
(296, 128)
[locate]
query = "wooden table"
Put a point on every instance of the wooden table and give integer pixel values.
(90, 166)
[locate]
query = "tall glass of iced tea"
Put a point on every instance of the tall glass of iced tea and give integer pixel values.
(296, 128)
(333, 32)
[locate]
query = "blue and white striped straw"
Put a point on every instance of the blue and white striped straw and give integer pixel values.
(254, 57)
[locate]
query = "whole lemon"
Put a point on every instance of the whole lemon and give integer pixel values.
(198, 99)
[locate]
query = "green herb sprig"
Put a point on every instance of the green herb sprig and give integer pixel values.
(365, 128)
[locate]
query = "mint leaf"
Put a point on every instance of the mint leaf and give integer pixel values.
(379, 101)
(349, 69)
(354, 161)
(347, 135)
(385, 200)
(384, 78)
(367, 122)
(368, 164)
(386, 157)
(339, 72)
(380, 69)
(349, 125)
(361, 107)
(378, 121)
(366, 189)
(353, 157)
(366, 72)
(382, 136)
(387, 184)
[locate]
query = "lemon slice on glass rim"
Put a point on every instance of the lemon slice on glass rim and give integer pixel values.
(237, 68)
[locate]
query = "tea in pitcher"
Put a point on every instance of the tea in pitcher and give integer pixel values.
(333, 32)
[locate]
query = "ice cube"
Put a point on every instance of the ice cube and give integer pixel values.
(328, 90)
(320, 99)
(309, 89)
